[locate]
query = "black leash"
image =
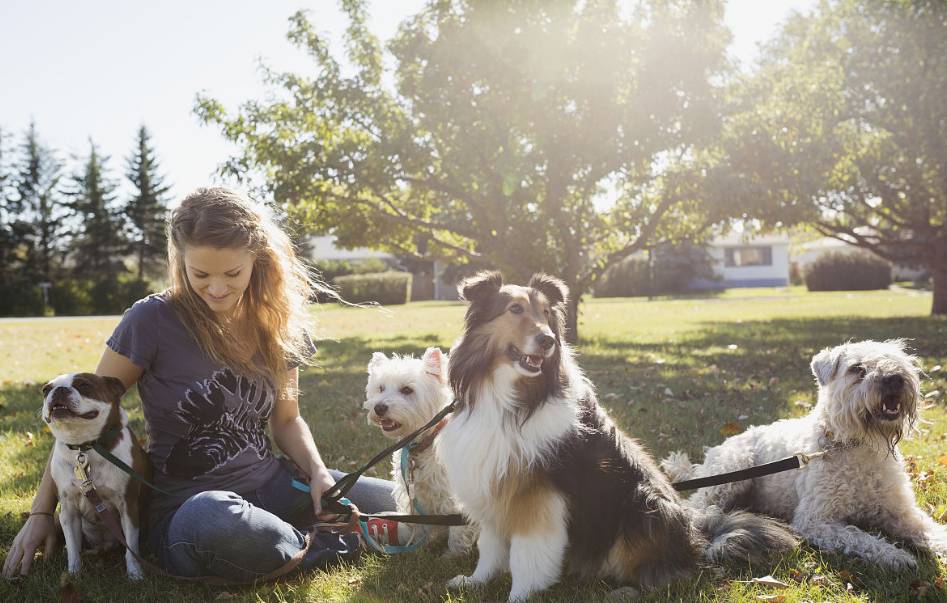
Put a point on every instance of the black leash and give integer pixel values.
(786, 464)
(800, 459)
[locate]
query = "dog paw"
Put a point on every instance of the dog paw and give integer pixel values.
(899, 561)
(135, 574)
(459, 582)
(623, 595)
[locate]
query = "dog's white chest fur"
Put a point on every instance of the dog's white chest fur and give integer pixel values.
(480, 446)
(111, 484)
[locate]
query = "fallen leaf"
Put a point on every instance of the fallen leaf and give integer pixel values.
(668, 392)
(846, 575)
(797, 575)
(943, 460)
(224, 596)
(939, 582)
(773, 598)
(932, 394)
(774, 381)
(731, 428)
(767, 581)
(803, 404)
(732, 346)
(935, 369)
(29, 438)
(354, 581)
(743, 417)
(818, 579)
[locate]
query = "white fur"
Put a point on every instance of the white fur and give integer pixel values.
(77, 515)
(428, 485)
(860, 482)
(483, 444)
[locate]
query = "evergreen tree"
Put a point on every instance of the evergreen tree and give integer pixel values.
(36, 209)
(147, 209)
(6, 218)
(100, 240)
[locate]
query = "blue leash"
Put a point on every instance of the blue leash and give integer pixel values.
(387, 549)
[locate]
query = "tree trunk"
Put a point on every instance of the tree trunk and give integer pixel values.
(939, 281)
(572, 317)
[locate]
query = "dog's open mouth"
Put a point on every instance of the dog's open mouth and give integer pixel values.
(61, 410)
(891, 408)
(388, 424)
(531, 363)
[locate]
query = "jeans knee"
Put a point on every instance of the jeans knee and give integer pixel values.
(204, 515)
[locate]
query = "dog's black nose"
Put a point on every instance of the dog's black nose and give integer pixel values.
(545, 341)
(380, 409)
(894, 381)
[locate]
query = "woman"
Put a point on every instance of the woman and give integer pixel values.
(216, 359)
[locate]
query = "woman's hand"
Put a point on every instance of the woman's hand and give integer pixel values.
(319, 483)
(39, 531)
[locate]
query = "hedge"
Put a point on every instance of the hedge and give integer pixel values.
(388, 288)
(847, 271)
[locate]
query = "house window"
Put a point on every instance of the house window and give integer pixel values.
(738, 257)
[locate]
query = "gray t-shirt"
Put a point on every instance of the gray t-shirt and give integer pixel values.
(205, 422)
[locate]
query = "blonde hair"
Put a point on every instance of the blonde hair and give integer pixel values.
(275, 303)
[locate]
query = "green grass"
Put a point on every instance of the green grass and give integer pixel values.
(672, 372)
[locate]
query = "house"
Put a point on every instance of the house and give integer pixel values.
(743, 261)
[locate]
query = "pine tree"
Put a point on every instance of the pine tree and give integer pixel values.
(147, 209)
(37, 209)
(6, 217)
(100, 240)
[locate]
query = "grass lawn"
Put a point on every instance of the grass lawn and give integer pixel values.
(676, 373)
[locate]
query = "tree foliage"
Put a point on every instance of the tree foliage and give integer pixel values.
(147, 208)
(100, 240)
(522, 135)
(844, 126)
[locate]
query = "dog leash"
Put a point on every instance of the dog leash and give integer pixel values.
(87, 486)
(102, 445)
(796, 461)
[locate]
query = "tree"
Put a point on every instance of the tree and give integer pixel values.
(147, 210)
(100, 240)
(36, 209)
(7, 241)
(844, 126)
(526, 136)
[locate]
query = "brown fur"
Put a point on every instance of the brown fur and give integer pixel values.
(521, 501)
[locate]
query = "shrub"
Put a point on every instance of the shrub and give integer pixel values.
(847, 271)
(387, 288)
(676, 267)
(21, 298)
(70, 297)
(329, 270)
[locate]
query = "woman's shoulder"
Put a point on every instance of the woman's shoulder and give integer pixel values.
(154, 307)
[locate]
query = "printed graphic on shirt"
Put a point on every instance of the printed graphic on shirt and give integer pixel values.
(226, 417)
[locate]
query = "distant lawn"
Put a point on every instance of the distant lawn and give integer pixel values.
(672, 372)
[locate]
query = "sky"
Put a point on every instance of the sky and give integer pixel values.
(100, 68)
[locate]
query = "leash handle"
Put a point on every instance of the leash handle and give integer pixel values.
(346, 482)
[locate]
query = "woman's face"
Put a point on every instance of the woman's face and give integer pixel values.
(219, 276)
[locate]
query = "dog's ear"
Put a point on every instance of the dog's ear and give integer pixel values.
(377, 360)
(47, 388)
(480, 286)
(825, 364)
(434, 364)
(115, 387)
(554, 289)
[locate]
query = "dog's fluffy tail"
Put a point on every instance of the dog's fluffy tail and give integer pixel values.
(678, 466)
(740, 536)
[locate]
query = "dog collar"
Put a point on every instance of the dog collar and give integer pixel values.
(427, 440)
(107, 438)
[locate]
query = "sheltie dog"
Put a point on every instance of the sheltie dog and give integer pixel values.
(550, 479)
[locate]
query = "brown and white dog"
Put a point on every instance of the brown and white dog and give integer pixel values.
(551, 480)
(81, 408)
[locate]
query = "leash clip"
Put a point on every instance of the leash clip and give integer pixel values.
(81, 472)
(805, 459)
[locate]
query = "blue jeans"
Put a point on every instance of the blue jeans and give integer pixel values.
(242, 538)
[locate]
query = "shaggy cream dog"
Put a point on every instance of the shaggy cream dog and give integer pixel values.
(402, 394)
(868, 394)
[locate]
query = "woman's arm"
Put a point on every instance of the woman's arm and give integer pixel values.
(294, 438)
(40, 529)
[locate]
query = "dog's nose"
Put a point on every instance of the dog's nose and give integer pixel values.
(380, 409)
(61, 393)
(545, 340)
(894, 381)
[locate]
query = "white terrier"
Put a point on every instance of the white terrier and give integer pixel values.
(868, 394)
(404, 393)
